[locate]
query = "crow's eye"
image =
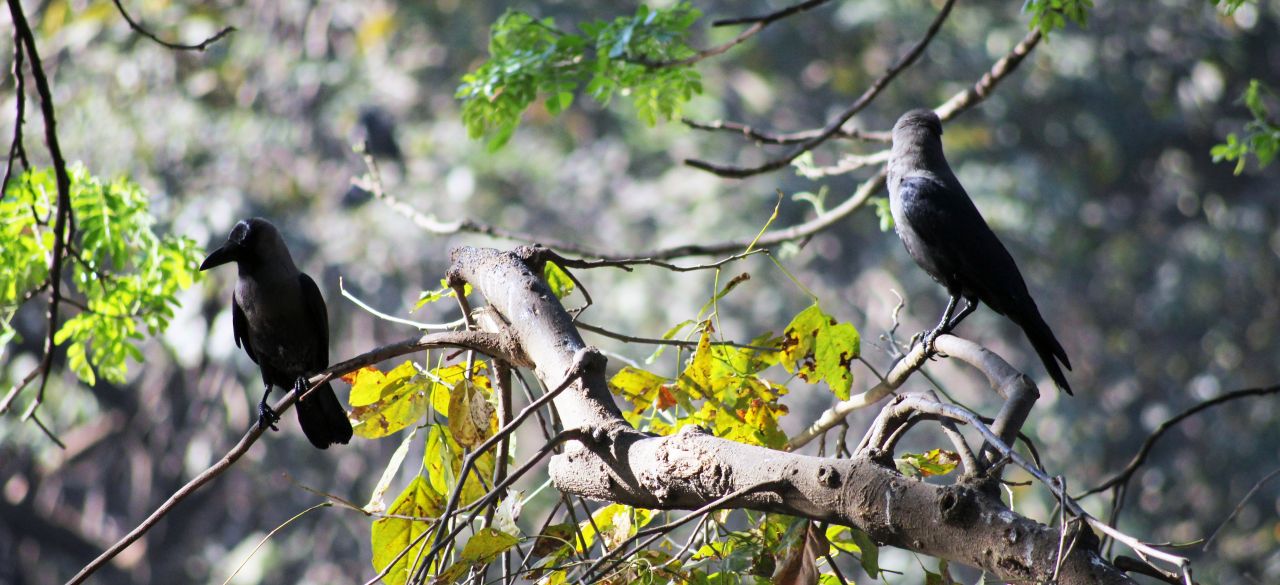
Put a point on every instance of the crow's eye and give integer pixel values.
(241, 233)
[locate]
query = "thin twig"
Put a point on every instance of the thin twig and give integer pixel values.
(670, 342)
(201, 46)
(1141, 456)
(763, 137)
(658, 531)
(923, 404)
(63, 216)
(16, 151)
(758, 23)
(575, 371)
(415, 324)
(1240, 506)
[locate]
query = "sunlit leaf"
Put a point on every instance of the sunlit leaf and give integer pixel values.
(390, 536)
(559, 281)
(928, 464)
(472, 419)
(383, 404)
(819, 348)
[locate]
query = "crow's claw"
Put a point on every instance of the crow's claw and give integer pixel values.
(267, 417)
(300, 387)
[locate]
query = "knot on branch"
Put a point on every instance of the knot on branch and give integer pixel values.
(828, 476)
(958, 506)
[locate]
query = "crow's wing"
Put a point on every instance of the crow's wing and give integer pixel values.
(960, 249)
(313, 303)
(240, 328)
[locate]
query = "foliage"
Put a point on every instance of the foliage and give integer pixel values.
(1230, 6)
(1051, 15)
(1261, 135)
(125, 279)
(634, 56)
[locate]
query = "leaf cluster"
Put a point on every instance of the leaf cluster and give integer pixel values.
(530, 58)
(1261, 135)
(1050, 15)
(123, 277)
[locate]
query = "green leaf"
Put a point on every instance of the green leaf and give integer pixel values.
(531, 58)
(559, 281)
(932, 463)
(390, 536)
(818, 348)
(883, 212)
(125, 276)
(1262, 134)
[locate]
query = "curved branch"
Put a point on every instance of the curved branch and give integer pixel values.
(201, 46)
(830, 130)
(467, 340)
(763, 137)
(758, 23)
(1141, 456)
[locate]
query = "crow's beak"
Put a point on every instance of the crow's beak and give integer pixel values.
(229, 252)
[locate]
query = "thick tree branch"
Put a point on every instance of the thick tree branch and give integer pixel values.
(690, 469)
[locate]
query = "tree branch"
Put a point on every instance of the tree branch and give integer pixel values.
(830, 130)
(201, 46)
(16, 152)
(690, 469)
(758, 23)
(1123, 476)
(63, 216)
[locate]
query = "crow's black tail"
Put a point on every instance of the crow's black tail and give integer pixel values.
(323, 419)
(1047, 347)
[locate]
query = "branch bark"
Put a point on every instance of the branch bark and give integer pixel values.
(691, 469)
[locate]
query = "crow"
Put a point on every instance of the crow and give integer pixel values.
(945, 235)
(279, 318)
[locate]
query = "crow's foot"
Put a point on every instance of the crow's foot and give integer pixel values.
(267, 417)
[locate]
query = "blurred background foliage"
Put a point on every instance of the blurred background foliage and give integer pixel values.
(1158, 269)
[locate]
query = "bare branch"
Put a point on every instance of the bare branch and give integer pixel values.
(758, 23)
(1236, 510)
(16, 151)
(201, 46)
(1140, 457)
(63, 216)
(763, 137)
(830, 130)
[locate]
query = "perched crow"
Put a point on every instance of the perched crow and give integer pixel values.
(946, 236)
(378, 134)
(279, 318)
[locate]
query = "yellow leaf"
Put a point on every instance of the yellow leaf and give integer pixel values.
(392, 535)
(472, 418)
